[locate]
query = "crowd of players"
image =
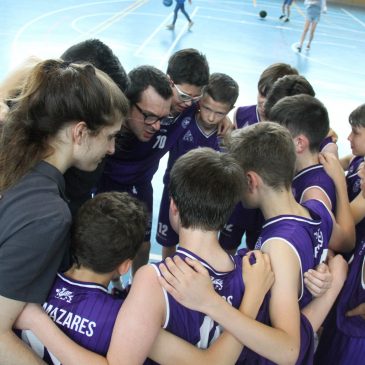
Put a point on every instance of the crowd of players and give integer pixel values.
(81, 127)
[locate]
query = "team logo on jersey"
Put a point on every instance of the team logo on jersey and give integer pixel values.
(258, 243)
(185, 122)
(168, 121)
(357, 186)
(188, 137)
(64, 294)
(217, 283)
(319, 237)
(134, 190)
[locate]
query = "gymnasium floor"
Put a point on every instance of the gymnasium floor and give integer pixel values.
(231, 34)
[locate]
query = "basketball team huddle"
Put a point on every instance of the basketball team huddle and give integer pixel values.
(81, 140)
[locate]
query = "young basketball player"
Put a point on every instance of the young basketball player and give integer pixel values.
(343, 339)
(307, 121)
(295, 237)
(218, 99)
(79, 301)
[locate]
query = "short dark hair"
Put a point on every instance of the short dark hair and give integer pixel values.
(144, 76)
(273, 73)
(101, 56)
(287, 86)
(267, 149)
(222, 88)
(357, 117)
(108, 230)
(188, 66)
(205, 186)
(303, 114)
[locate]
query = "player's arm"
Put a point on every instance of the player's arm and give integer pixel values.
(357, 311)
(169, 349)
(343, 234)
(358, 208)
(139, 320)
(279, 344)
(12, 350)
(316, 311)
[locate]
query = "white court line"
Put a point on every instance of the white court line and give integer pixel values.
(45, 15)
(144, 44)
(177, 39)
(353, 17)
(113, 19)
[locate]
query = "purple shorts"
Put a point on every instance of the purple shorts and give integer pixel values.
(165, 234)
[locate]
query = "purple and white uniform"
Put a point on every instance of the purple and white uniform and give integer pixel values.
(196, 327)
(246, 115)
(134, 163)
(343, 339)
(85, 312)
(308, 238)
(314, 176)
(193, 137)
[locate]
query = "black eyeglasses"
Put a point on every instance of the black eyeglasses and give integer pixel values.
(149, 119)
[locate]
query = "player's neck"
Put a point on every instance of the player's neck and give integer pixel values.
(86, 275)
(205, 244)
(306, 159)
(281, 202)
(203, 127)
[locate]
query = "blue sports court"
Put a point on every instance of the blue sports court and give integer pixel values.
(234, 38)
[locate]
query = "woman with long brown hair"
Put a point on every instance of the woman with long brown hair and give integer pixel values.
(66, 115)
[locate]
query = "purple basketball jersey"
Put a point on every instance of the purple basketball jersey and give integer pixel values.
(246, 115)
(353, 179)
(84, 311)
(193, 137)
(343, 339)
(309, 239)
(314, 176)
(136, 162)
(195, 327)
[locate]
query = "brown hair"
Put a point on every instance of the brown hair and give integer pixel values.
(267, 149)
(108, 230)
(54, 94)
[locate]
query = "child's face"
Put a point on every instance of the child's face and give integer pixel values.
(357, 140)
(212, 112)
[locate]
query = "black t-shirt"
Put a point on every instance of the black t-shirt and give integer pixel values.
(34, 234)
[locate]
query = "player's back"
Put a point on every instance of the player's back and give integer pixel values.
(308, 237)
(246, 115)
(314, 177)
(84, 311)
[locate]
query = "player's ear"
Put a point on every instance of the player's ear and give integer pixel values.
(173, 207)
(170, 80)
(252, 181)
(301, 143)
(79, 130)
(124, 267)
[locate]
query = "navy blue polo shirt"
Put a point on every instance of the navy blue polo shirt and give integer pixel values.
(35, 224)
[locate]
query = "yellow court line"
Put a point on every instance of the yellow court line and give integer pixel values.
(108, 22)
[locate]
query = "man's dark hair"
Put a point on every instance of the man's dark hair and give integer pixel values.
(108, 230)
(287, 86)
(144, 76)
(188, 66)
(222, 88)
(101, 56)
(303, 114)
(205, 186)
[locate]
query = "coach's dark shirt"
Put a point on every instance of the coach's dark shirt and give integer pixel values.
(34, 234)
